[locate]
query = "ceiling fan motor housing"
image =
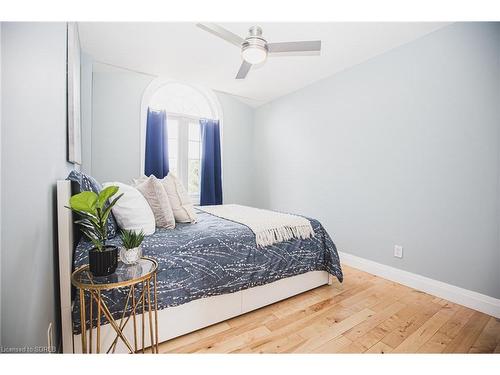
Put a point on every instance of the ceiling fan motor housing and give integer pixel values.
(253, 44)
(255, 38)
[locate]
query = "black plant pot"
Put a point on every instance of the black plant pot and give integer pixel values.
(103, 263)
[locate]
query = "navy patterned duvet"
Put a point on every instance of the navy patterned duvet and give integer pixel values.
(217, 256)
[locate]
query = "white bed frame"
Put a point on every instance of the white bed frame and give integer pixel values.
(173, 321)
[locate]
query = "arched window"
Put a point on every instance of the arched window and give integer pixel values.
(184, 105)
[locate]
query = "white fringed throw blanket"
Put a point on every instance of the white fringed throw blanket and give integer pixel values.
(269, 227)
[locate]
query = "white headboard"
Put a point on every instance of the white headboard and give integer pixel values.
(65, 233)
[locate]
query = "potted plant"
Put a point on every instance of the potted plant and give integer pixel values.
(94, 211)
(131, 251)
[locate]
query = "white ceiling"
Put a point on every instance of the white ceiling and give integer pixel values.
(184, 52)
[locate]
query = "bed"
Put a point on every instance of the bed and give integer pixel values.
(208, 272)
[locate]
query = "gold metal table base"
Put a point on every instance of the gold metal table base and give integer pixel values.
(101, 307)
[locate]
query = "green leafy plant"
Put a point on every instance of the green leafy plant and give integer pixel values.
(94, 212)
(131, 239)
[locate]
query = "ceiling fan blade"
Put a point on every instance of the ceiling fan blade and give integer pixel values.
(216, 30)
(305, 48)
(244, 69)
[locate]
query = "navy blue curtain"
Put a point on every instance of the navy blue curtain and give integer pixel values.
(156, 160)
(211, 171)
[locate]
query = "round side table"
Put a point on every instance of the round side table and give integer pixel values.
(137, 277)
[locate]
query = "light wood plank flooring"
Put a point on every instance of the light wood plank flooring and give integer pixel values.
(365, 314)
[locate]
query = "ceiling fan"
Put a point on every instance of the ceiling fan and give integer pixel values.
(255, 49)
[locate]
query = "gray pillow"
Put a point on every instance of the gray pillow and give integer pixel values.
(157, 198)
(89, 183)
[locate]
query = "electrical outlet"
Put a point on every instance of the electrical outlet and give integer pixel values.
(398, 251)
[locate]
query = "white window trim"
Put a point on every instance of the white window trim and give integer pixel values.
(146, 99)
(183, 150)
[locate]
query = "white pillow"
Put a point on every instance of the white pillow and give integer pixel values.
(152, 189)
(132, 211)
(180, 202)
(179, 199)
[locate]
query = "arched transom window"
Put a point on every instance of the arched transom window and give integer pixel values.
(184, 106)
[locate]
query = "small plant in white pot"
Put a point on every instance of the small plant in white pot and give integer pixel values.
(131, 251)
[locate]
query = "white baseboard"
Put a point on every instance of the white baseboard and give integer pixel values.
(452, 293)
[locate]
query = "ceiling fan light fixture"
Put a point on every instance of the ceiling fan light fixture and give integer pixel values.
(255, 49)
(254, 54)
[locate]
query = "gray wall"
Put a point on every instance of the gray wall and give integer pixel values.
(33, 156)
(402, 149)
(86, 111)
(116, 108)
(237, 148)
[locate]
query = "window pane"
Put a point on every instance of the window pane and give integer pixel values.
(172, 148)
(194, 131)
(172, 128)
(194, 150)
(194, 177)
(172, 164)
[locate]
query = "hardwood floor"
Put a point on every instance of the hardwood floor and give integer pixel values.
(365, 314)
